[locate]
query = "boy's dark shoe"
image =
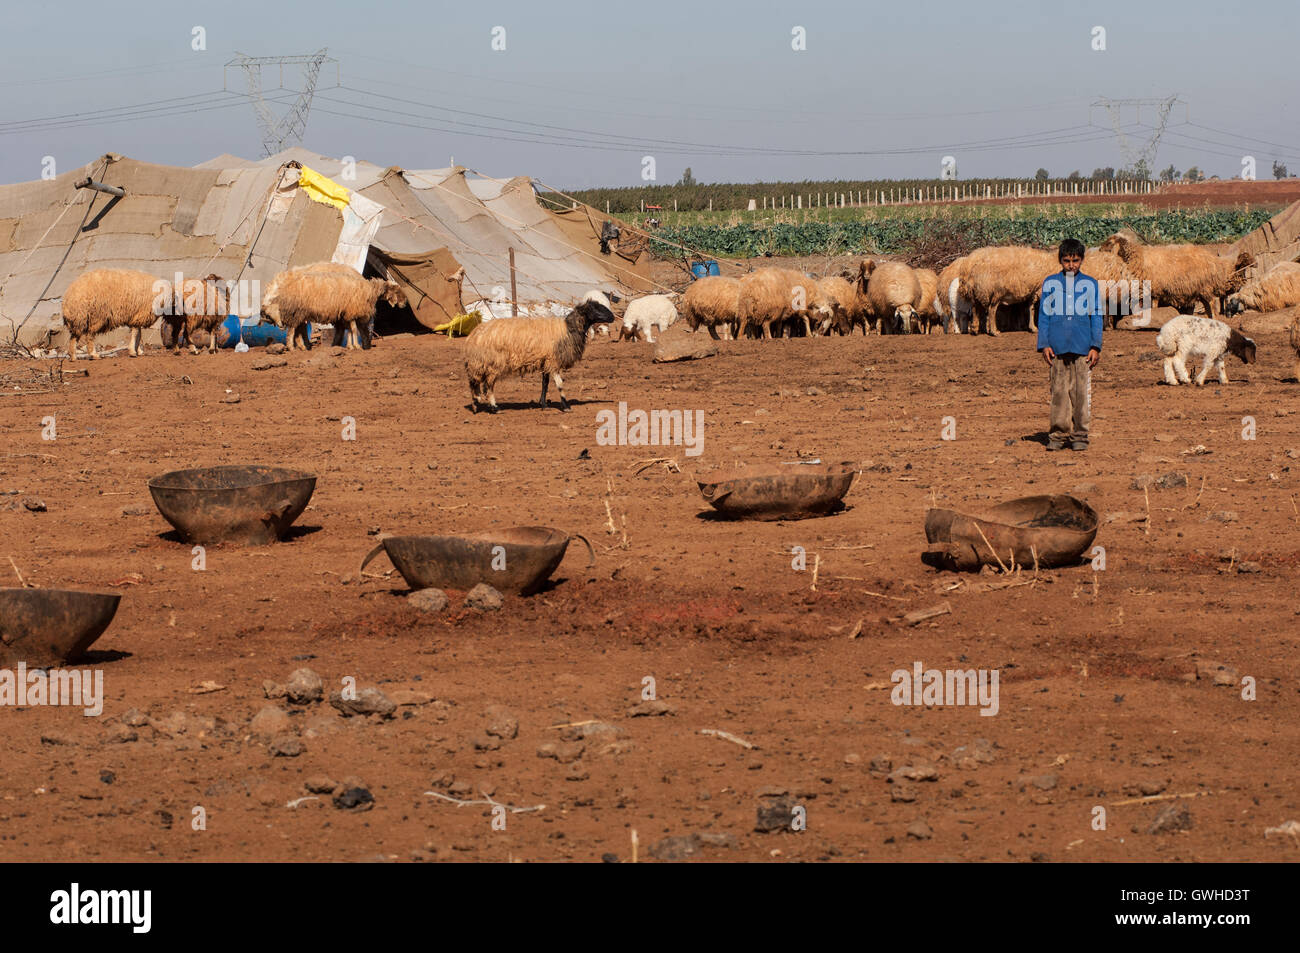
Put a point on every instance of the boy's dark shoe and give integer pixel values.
(1055, 446)
(1079, 445)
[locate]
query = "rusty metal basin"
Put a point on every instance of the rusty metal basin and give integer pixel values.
(778, 492)
(516, 559)
(47, 627)
(1049, 531)
(236, 504)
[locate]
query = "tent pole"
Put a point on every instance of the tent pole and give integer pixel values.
(514, 295)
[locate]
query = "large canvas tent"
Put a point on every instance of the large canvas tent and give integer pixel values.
(247, 223)
(1275, 241)
(478, 220)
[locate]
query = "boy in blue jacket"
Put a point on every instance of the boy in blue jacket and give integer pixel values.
(1069, 338)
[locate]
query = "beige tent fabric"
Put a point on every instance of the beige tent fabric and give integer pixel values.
(1275, 241)
(192, 221)
(429, 279)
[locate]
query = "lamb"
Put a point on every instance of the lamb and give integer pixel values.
(1005, 275)
(1188, 335)
(201, 306)
(955, 307)
(108, 298)
(1182, 275)
(326, 293)
(645, 314)
(769, 296)
(526, 345)
(848, 307)
(712, 301)
(1277, 288)
(927, 305)
(892, 290)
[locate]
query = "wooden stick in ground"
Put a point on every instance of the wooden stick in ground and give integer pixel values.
(728, 736)
(21, 581)
(1146, 494)
(1163, 797)
(980, 530)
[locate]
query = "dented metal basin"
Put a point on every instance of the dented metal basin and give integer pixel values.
(778, 491)
(515, 559)
(1047, 531)
(47, 627)
(253, 505)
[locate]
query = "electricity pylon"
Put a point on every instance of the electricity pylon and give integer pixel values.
(1137, 153)
(289, 129)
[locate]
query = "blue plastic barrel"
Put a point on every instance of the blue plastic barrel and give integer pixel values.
(254, 335)
(699, 269)
(714, 270)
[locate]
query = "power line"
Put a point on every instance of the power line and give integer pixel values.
(288, 129)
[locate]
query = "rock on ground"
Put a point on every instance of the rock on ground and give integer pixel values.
(682, 349)
(484, 598)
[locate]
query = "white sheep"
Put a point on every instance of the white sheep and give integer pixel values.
(644, 315)
(1188, 336)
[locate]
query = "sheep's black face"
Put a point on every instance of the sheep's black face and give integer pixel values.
(1233, 305)
(593, 312)
(1248, 351)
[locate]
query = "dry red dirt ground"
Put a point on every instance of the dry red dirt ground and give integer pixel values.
(1099, 700)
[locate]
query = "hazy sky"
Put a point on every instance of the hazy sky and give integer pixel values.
(583, 91)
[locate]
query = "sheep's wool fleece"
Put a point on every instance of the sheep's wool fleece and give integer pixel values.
(1191, 334)
(109, 298)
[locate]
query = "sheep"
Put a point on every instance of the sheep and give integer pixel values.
(201, 306)
(892, 293)
(953, 304)
(847, 306)
(1295, 344)
(769, 296)
(1182, 275)
(927, 305)
(326, 293)
(1277, 288)
(712, 301)
(1118, 285)
(643, 315)
(1005, 275)
(1189, 335)
(525, 345)
(108, 298)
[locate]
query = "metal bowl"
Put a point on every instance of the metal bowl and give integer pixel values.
(778, 492)
(46, 627)
(251, 505)
(516, 559)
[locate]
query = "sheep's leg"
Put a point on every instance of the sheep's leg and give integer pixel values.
(713, 332)
(767, 331)
(212, 341)
(559, 386)
(807, 327)
(354, 341)
(993, 319)
(1180, 368)
(1170, 379)
(650, 334)
(72, 347)
(1209, 303)
(1204, 372)
(546, 382)
(1222, 369)
(1033, 308)
(94, 349)
(133, 342)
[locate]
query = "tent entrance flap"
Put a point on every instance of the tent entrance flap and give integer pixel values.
(430, 279)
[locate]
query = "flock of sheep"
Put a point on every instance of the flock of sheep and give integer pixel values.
(321, 293)
(884, 297)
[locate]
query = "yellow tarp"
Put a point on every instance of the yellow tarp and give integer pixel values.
(321, 189)
(461, 325)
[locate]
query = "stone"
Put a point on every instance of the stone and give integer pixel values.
(1217, 672)
(650, 707)
(270, 721)
(427, 600)
(275, 347)
(320, 784)
(135, 718)
(1172, 818)
(1223, 516)
(1249, 567)
(266, 363)
(304, 687)
(902, 792)
(774, 813)
(285, 746)
(919, 830)
(368, 701)
(562, 751)
(501, 723)
(1171, 480)
(1044, 782)
(484, 598)
(674, 848)
(354, 799)
(668, 350)
(915, 772)
(971, 756)
(1141, 481)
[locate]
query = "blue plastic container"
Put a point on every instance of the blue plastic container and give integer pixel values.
(714, 270)
(700, 269)
(254, 335)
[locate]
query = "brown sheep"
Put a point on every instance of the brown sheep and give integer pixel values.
(769, 296)
(1005, 275)
(326, 293)
(1121, 292)
(109, 298)
(848, 307)
(928, 308)
(521, 346)
(201, 306)
(712, 301)
(892, 291)
(1277, 288)
(1182, 275)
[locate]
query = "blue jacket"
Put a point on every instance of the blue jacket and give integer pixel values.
(1070, 314)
